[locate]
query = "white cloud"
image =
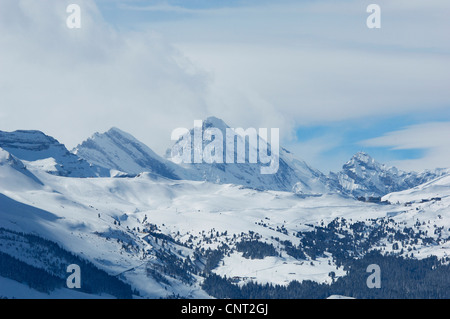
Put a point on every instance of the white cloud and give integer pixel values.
(432, 137)
(313, 149)
(272, 65)
(314, 85)
(70, 83)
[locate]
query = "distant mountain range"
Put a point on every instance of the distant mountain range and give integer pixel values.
(363, 177)
(117, 150)
(117, 153)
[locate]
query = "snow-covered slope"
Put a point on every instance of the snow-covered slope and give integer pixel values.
(9, 163)
(38, 150)
(155, 233)
(363, 176)
(112, 223)
(118, 150)
(433, 191)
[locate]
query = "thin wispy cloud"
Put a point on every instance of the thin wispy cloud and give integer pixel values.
(162, 8)
(430, 137)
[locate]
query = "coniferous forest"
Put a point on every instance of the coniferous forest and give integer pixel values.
(403, 279)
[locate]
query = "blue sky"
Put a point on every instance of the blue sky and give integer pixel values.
(311, 68)
(355, 135)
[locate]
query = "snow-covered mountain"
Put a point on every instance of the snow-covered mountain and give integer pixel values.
(152, 237)
(363, 176)
(35, 149)
(120, 151)
(293, 174)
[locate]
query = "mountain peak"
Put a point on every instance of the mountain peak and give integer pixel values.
(362, 157)
(113, 129)
(121, 151)
(117, 130)
(5, 157)
(44, 152)
(291, 171)
(28, 145)
(213, 121)
(9, 160)
(363, 176)
(361, 154)
(26, 139)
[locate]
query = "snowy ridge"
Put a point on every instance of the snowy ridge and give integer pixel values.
(292, 174)
(10, 163)
(433, 191)
(120, 151)
(362, 176)
(35, 149)
(7, 159)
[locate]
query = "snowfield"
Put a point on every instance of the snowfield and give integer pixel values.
(94, 217)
